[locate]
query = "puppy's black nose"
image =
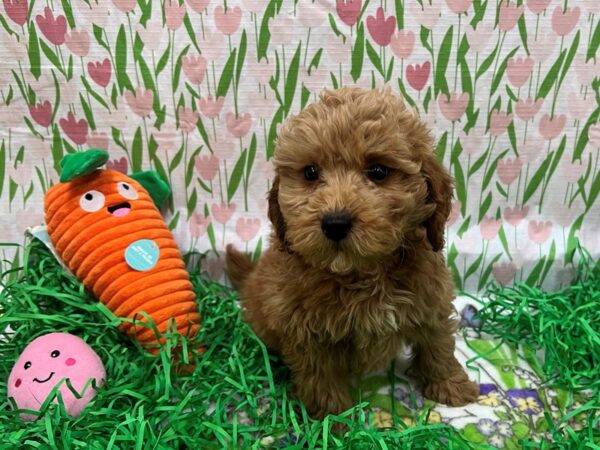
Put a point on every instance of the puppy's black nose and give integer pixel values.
(336, 226)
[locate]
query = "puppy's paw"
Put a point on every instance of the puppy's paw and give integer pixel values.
(452, 392)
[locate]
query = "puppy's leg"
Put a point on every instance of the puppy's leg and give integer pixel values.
(445, 379)
(320, 376)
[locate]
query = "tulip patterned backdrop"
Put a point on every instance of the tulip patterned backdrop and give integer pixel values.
(197, 89)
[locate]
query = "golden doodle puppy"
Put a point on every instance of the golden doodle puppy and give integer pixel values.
(355, 268)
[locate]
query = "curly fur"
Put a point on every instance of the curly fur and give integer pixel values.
(335, 308)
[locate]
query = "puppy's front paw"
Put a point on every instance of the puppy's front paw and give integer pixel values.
(452, 393)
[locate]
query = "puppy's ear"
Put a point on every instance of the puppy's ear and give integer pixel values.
(274, 213)
(440, 188)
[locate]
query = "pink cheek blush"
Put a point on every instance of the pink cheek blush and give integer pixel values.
(41, 367)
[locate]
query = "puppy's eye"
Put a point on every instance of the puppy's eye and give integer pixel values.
(377, 172)
(311, 173)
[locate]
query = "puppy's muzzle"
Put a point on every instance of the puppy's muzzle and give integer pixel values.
(336, 226)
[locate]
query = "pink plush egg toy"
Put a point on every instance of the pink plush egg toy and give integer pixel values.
(46, 362)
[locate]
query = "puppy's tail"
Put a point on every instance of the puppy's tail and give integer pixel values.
(239, 266)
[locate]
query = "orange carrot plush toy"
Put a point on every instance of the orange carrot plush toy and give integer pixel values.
(109, 232)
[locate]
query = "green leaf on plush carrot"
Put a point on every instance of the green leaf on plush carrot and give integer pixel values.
(374, 57)
(358, 52)
(442, 62)
(226, 75)
(34, 52)
(137, 154)
(178, 66)
(236, 175)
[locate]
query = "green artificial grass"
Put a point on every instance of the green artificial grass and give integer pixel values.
(238, 396)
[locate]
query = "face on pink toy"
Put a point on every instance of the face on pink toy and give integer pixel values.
(48, 361)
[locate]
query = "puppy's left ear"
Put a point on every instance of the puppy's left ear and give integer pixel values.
(440, 191)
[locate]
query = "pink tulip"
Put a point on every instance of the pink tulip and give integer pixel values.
(509, 15)
(78, 42)
(380, 28)
(151, 35)
(120, 165)
(592, 6)
(247, 229)
(100, 72)
(125, 6)
(174, 14)
(140, 102)
(211, 107)
(240, 126)
(228, 22)
(550, 127)
(499, 122)
(539, 232)
(198, 5)
(21, 174)
(222, 213)
(426, 15)
(454, 214)
(519, 70)
(459, 6)
(542, 47)
(188, 119)
(509, 170)
(580, 108)
(515, 215)
(504, 273)
(537, 6)
(16, 10)
(98, 140)
(312, 15)
(207, 166)
(479, 38)
(526, 109)
(418, 75)
(76, 130)
(402, 43)
(198, 225)
(571, 171)
(348, 10)
(165, 137)
(281, 28)
(194, 68)
(453, 107)
(586, 71)
(489, 228)
(53, 28)
(594, 135)
(41, 113)
(472, 143)
(564, 22)
(317, 80)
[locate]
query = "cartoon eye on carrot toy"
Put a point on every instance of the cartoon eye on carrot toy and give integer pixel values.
(108, 230)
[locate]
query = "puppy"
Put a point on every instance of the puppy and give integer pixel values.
(355, 268)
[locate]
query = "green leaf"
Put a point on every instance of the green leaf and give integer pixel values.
(473, 435)
(2, 166)
(374, 57)
(399, 14)
(441, 147)
(149, 83)
(189, 171)
(175, 220)
(424, 35)
(34, 52)
(487, 177)
(210, 231)
(226, 75)
(176, 159)
(291, 80)
(502, 191)
(405, 95)
(88, 112)
(569, 59)
(549, 262)
(479, 9)
(257, 251)
(537, 178)
(500, 72)
(251, 155)
(473, 267)
(594, 43)
(178, 66)
(99, 35)
(487, 63)
(121, 61)
(264, 35)
(81, 163)
(57, 149)
(137, 153)
(442, 62)
(236, 176)
(6, 26)
(304, 97)
(240, 58)
(164, 59)
(192, 202)
(557, 157)
(390, 70)
(316, 59)
(583, 137)
(550, 77)
(66, 4)
(523, 32)
(333, 25)
(535, 273)
(52, 57)
(93, 92)
(190, 30)
(277, 119)
(486, 273)
(358, 53)
(146, 8)
(483, 209)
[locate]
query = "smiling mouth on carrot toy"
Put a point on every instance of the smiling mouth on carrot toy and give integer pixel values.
(120, 209)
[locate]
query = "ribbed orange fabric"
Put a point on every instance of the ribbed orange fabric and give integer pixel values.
(93, 245)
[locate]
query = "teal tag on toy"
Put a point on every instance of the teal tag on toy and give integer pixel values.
(142, 255)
